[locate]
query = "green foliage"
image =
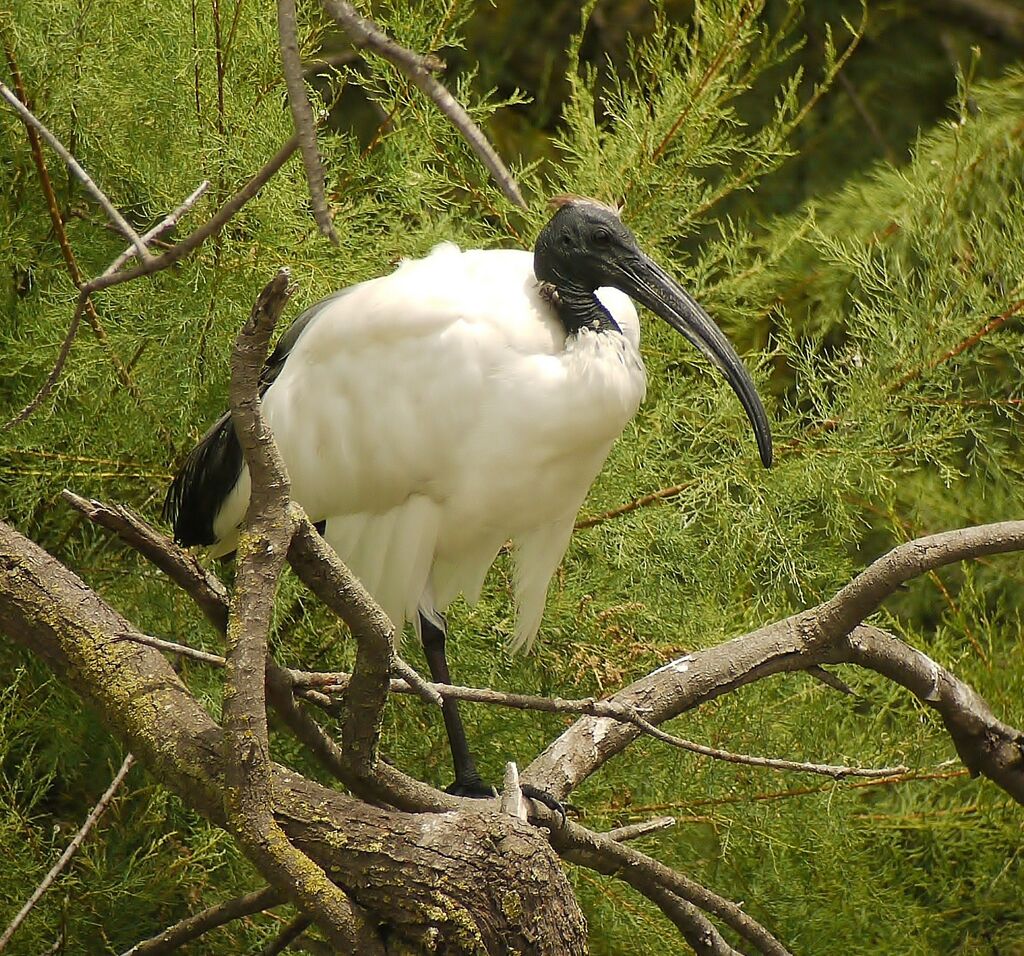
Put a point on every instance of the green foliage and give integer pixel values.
(882, 320)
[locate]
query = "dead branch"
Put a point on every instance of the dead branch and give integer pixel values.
(262, 548)
(302, 116)
(206, 590)
(826, 634)
(163, 226)
(364, 33)
(606, 855)
(390, 786)
(71, 849)
(30, 119)
(192, 927)
(634, 831)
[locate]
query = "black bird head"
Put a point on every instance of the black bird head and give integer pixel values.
(585, 246)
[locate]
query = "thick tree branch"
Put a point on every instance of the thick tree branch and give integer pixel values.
(421, 873)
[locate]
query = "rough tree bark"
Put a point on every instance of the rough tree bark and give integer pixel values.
(454, 882)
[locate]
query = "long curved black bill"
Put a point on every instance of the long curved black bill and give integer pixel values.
(644, 280)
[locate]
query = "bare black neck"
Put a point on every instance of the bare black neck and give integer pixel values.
(579, 308)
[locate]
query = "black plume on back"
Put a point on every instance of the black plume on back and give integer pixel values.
(213, 467)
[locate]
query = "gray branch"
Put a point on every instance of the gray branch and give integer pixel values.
(192, 927)
(364, 33)
(71, 849)
(122, 224)
(302, 116)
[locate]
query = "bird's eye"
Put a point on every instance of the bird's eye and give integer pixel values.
(602, 237)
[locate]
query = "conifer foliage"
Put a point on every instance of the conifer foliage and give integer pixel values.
(883, 319)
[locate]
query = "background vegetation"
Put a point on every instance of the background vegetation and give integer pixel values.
(861, 238)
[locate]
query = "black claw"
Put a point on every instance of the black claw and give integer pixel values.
(552, 803)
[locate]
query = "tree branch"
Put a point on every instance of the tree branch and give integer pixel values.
(71, 849)
(262, 549)
(30, 119)
(192, 927)
(605, 854)
(302, 116)
(813, 637)
(364, 33)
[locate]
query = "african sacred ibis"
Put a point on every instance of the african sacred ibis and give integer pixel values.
(467, 399)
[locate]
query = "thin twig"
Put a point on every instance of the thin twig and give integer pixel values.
(634, 831)
(58, 366)
(167, 223)
(302, 117)
(211, 227)
(364, 33)
(291, 932)
(338, 683)
(192, 927)
(30, 119)
(72, 848)
(57, 221)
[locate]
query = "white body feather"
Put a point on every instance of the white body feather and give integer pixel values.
(431, 415)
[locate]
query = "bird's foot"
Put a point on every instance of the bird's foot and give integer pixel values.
(476, 788)
(471, 787)
(552, 803)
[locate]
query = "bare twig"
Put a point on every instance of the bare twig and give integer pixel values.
(609, 856)
(30, 119)
(181, 567)
(165, 225)
(205, 657)
(365, 34)
(58, 367)
(302, 116)
(336, 683)
(72, 848)
(57, 221)
(291, 932)
(192, 927)
(211, 227)
(634, 831)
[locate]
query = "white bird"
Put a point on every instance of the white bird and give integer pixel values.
(467, 399)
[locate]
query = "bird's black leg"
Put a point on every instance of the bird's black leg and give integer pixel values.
(467, 780)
